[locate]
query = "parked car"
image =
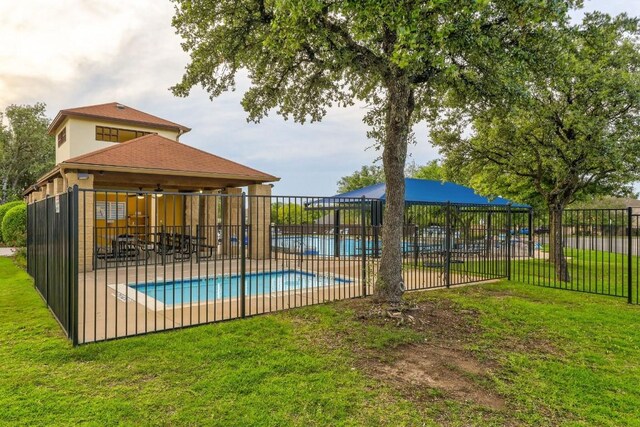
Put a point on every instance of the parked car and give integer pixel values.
(541, 230)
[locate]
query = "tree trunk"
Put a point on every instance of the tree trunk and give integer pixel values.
(400, 103)
(556, 243)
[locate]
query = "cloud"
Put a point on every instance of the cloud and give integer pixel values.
(71, 53)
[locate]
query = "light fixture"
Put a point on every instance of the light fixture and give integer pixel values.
(83, 176)
(140, 194)
(158, 190)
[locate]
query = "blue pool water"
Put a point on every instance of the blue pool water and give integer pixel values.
(217, 288)
(324, 245)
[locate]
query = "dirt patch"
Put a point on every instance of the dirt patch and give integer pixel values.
(440, 366)
(436, 318)
(448, 370)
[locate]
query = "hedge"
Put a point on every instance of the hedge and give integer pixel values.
(14, 226)
(3, 211)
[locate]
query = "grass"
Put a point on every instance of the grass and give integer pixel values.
(565, 358)
(555, 358)
(591, 271)
(261, 371)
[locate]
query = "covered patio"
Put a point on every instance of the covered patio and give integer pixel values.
(154, 196)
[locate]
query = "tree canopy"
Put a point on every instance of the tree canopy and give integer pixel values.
(568, 129)
(294, 214)
(305, 56)
(26, 151)
(366, 176)
(374, 174)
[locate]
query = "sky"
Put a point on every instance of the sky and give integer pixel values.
(72, 53)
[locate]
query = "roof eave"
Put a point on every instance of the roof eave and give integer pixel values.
(63, 114)
(128, 169)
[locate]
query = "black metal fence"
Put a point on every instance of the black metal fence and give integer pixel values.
(601, 248)
(112, 264)
(142, 262)
(52, 256)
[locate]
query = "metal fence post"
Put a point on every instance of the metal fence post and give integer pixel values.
(509, 241)
(447, 246)
(416, 248)
(530, 233)
(46, 250)
(629, 255)
(243, 255)
(363, 235)
(336, 233)
(72, 217)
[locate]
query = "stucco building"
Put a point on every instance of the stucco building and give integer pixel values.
(116, 152)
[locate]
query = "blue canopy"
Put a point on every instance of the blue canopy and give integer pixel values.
(430, 191)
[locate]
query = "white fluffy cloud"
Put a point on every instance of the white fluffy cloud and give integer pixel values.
(69, 53)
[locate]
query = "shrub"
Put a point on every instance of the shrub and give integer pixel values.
(3, 211)
(14, 226)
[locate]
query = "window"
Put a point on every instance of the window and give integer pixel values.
(62, 136)
(104, 133)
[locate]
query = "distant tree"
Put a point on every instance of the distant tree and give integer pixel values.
(370, 175)
(26, 151)
(294, 214)
(305, 56)
(568, 129)
(366, 176)
(433, 170)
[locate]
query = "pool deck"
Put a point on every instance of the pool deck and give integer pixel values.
(108, 308)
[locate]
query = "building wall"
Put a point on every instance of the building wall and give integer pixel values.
(81, 136)
(170, 211)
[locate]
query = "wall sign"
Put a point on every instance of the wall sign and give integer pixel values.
(57, 203)
(111, 210)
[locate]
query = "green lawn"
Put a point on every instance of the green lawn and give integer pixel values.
(552, 357)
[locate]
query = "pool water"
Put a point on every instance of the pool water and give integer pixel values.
(223, 287)
(324, 245)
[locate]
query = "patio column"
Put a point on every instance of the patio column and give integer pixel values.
(192, 212)
(209, 218)
(260, 221)
(58, 186)
(86, 217)
(201, 216)
(40, 194)
(231, 211)
(50, 189)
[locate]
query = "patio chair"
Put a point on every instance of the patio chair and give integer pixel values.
(164, 244)
(181, 247)
(125, 248)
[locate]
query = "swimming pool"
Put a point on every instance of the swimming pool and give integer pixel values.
(324, 245)
(224, 287)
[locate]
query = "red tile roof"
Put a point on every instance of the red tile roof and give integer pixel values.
(116, 112)
(159, 153)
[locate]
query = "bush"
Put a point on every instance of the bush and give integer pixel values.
(14, 226)
(3, 211)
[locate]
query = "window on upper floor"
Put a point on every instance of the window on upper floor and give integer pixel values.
(109, 134)
(62, 136)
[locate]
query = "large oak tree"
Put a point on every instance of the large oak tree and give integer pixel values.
(305, 56)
